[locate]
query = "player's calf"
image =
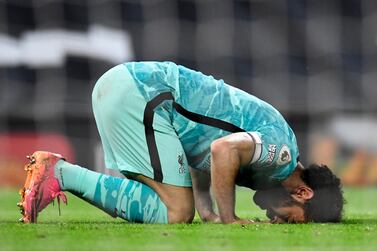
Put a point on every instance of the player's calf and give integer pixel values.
(181, 213)
(178, 200)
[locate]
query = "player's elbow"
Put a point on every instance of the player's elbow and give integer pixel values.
(224, 153)
(221, 146)
(217, 146)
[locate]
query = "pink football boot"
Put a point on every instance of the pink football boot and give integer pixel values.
(41, 186)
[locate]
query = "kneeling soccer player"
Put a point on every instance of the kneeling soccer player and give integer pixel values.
(174, 133)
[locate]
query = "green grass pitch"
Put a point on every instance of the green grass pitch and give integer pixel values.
(83, 227)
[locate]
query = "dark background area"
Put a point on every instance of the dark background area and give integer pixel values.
(314, 60)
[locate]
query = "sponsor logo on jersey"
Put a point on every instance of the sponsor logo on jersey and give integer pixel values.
(207, 163)
(284, 156)
(271, 153)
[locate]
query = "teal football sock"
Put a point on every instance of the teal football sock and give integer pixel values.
(125, 198)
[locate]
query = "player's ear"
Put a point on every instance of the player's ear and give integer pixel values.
(303, 193)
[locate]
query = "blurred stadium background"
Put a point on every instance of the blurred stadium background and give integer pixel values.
(315, 60)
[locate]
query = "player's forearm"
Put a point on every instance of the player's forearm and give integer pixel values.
(203, 202)
(224, 168)
(226, 203)
(204, 206)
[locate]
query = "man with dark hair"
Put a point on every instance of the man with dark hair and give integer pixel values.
(174, 133)
(325, 204)
(327, 191)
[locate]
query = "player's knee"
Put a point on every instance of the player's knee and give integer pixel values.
(183, 213)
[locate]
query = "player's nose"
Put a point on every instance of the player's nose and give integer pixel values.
(277, 220)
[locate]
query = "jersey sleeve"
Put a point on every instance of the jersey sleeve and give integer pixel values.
(274, 148)
(273, 160)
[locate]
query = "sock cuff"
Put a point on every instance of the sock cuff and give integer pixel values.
(58, 173)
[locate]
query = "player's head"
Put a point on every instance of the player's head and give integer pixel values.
(326, 205)
(322, 198)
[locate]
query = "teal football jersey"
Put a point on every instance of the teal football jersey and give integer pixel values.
(202, 109)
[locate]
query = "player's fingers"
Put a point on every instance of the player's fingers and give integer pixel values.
(243, 221)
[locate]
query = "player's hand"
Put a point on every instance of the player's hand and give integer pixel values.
(243, 221)
(212, 217)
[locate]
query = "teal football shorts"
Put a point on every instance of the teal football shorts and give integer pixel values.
(119, 111)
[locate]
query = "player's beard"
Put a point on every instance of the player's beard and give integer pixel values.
(274, 197)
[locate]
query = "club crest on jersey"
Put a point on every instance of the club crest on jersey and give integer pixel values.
(284, 156)
(182, 168)
(271, 153)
